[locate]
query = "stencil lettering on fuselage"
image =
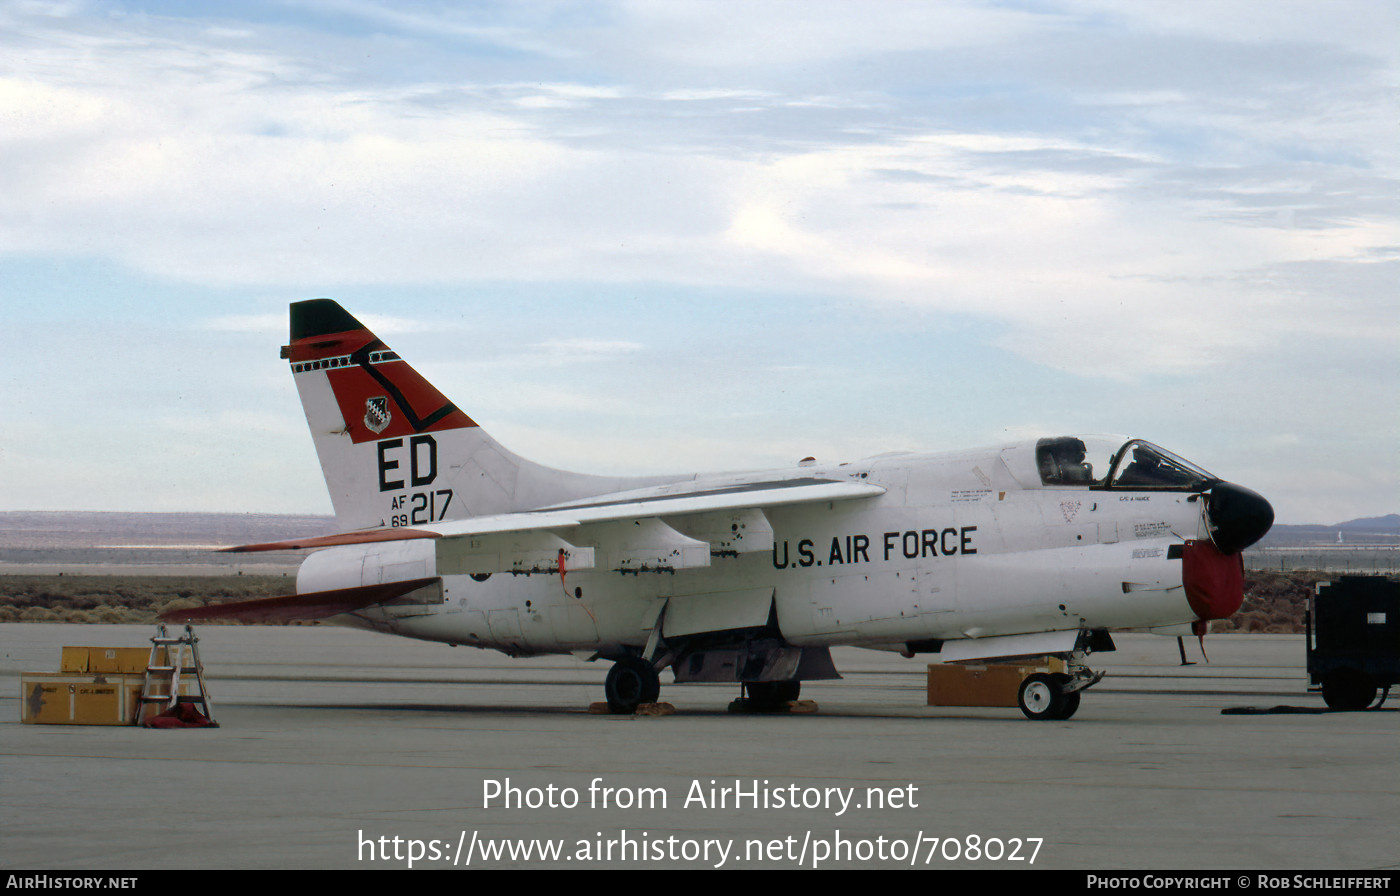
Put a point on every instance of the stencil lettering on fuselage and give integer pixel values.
(848, 550)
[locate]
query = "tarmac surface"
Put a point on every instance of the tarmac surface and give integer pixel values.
(341, 749)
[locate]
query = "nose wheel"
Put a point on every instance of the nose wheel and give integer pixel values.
(1043, 697)
(1054, 696)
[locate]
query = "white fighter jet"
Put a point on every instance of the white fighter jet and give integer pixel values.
(1031, 549)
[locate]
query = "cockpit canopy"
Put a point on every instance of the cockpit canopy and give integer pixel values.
(1099, 462)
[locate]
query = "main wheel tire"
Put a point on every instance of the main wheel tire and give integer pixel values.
(631, 682)
(765, 695)
(1347, 689)
(1040, 698)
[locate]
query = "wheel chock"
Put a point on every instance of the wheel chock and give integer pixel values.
(643, 709)
(745, 706)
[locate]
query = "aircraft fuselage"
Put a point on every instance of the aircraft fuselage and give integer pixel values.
(957, 547)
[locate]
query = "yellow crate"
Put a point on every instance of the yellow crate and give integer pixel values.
(120, 660)
(62, 698)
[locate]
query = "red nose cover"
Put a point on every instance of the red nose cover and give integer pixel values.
(1214, 581)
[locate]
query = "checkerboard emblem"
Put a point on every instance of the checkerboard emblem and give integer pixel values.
(377, 414)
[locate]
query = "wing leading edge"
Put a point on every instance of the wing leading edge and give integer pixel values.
(627, 532)
(623, 532)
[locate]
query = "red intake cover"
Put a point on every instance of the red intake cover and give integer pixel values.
(1214, 581)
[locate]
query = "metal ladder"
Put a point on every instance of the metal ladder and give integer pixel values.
(163, 671)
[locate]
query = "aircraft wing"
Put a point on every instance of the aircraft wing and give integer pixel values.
(624, 532)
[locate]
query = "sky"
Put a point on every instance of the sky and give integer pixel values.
(700, 236)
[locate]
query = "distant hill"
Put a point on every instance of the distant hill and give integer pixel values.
(78, 529)
(1370, 530)
(82, 529)
(1389, 524)
(69, 543)
(25, 532)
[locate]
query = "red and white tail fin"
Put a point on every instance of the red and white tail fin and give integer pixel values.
(394, 450)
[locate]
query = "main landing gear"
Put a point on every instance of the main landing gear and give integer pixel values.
(631, 682)
(1055, 696)
(768, 696)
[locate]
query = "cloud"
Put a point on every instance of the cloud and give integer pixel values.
(1126, 199)
(243, 167)
(588, 348)
(276, 324)
(260, 324)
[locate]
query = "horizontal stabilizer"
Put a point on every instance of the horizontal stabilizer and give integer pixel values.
(295, 607)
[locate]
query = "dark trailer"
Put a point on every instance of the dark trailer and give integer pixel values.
(1354, 639)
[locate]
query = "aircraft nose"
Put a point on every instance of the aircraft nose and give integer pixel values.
(1236, 516)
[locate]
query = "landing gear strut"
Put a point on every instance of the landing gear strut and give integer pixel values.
(631, 682)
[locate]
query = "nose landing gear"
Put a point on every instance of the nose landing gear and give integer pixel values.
(1055, 696)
